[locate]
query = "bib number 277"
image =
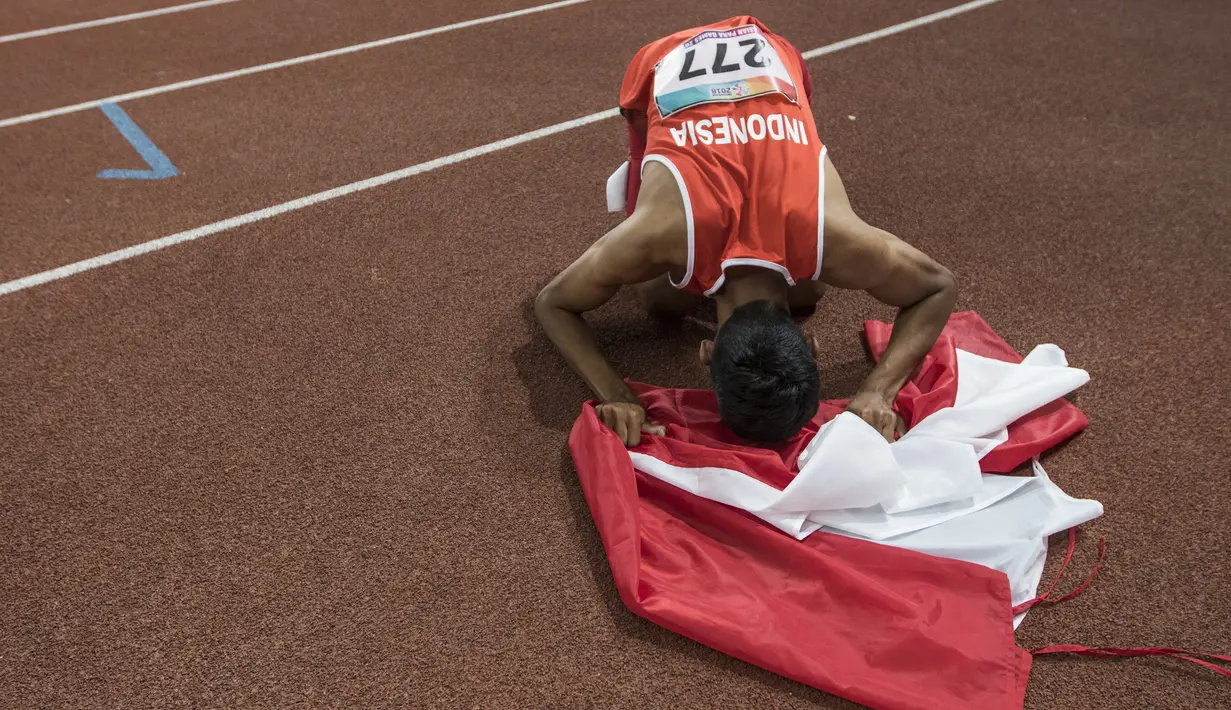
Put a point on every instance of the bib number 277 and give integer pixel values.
(720, 65)
(752, 58)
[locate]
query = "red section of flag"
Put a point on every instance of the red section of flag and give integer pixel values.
(935, 385)
(886, 627)
(881, 626)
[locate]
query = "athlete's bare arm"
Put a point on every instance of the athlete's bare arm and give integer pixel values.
(644, 246)
(860, 256)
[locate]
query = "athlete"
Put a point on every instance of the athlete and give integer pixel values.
(731, 196)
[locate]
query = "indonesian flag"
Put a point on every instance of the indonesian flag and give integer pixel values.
(884, 573)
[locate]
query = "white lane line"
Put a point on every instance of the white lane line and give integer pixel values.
(110, 20)
(165, 88)
(297, 204)
(895, 29)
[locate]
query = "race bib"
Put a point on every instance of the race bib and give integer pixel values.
(720, 65)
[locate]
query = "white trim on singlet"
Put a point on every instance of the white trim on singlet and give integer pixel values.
(679, 180)
(820, 213)
(786, 274)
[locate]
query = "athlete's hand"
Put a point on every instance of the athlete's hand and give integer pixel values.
(627, 420)
(877, 410)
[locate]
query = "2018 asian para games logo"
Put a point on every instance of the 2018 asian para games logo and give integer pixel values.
(737, 90)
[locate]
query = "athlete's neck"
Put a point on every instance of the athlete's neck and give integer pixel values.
(745, 284)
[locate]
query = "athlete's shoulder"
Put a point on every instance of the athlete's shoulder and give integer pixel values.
(634, 90)
(662, 45)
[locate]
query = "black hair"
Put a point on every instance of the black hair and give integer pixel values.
(764, 374)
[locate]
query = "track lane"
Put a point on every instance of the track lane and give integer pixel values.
(265, 139)
(67, 69)
(25, 15)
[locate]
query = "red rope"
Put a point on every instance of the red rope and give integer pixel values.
(1104, 652)
(1044, 597)
(1097, 652)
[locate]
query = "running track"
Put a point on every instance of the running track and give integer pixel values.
(319, 460)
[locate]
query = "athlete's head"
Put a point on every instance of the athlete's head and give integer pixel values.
(764, 372)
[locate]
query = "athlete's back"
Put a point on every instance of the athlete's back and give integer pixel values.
(723, 111)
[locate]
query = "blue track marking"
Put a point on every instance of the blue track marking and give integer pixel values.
(160, 166)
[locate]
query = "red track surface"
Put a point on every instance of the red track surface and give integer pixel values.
(321, 459)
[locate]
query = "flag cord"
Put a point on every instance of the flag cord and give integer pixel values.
(1106, 652)
(1044, 598)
